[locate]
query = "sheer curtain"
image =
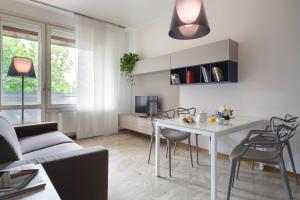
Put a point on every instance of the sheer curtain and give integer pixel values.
(100, 46)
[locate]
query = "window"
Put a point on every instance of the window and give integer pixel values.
(26, 38)
(21, 38)
(30, 115)
(63, 66)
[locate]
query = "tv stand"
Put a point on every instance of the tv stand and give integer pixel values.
(136, 123)
(143, 116)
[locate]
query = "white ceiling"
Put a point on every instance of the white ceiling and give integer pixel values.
(128, 13)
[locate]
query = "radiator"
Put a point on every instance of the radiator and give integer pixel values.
(67, 122)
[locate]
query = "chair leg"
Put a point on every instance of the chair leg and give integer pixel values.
(232, 171)
(285, 178)
(292, 160)
(151, 143)
(175, 145)
(170, 149)
(238, 170)
(252, 165)
(190, 147)
(197, 148)
(167, 149)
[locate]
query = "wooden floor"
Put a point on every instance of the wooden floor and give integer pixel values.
(131, 178)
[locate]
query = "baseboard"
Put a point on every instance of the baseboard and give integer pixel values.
(223, 156)
(73, 137)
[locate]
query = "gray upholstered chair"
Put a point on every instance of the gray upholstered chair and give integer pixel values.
(248, 151)
(267, 135)
(172, 136)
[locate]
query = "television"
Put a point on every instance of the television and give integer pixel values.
(146, 104)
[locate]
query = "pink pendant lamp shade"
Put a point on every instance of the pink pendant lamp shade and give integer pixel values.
(21, 66)
(189, 20)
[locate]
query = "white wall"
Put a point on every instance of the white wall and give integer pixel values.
(157, 84)
(269, 62)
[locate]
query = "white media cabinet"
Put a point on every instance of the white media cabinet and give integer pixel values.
(135, 123)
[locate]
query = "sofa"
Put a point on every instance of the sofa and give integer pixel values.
(76, 172)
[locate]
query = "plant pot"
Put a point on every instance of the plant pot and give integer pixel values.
(227, 117)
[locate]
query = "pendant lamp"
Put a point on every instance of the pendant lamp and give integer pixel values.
(189, 20)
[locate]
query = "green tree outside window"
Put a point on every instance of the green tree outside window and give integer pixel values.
(60, 63)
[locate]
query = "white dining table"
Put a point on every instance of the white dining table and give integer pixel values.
(209, 129)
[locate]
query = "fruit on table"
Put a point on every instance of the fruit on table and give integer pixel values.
(187, 119)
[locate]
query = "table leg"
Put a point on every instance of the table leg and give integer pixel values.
(197, 149)
(157, 150)
(213, 170)
(209, 146)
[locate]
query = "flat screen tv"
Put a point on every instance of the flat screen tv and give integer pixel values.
(146, 104)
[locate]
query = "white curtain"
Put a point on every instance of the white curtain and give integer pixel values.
(100, 46)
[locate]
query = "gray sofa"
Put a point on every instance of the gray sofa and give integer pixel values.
(76, 172)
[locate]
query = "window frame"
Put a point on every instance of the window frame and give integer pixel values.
(41, 61)
(48, 72)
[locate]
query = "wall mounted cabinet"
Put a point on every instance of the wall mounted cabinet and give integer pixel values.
(209, 53)
(155, 64)
(210, 63)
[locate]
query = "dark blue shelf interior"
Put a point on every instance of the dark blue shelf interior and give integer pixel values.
(229, 70)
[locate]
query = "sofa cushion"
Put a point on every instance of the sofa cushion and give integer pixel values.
(37, 142)
(9, 145)
(51, 151)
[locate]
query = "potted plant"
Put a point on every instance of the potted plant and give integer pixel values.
(224, 112)
(127, 65)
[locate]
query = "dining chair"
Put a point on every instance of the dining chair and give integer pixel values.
(267, 135)
(167, 114)
(191, 111)
(248, 151)
(171, 135)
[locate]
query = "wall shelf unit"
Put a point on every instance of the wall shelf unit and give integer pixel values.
(217, 59)
(190, 75)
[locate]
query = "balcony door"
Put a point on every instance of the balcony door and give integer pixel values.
(22, 38)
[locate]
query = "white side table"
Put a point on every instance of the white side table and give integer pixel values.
(46, 193)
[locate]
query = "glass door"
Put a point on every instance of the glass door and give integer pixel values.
(22, 38)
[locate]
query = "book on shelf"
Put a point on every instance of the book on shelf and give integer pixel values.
(190, 77)
(205, 74)
(175, 79)
(36, 183)
(217, 74)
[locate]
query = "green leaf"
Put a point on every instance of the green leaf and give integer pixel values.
(127, 63)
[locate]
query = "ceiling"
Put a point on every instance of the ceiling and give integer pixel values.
(128, 13)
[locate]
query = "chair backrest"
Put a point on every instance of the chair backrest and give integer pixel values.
(10, 149)
(290, 117)
(288, 120)
(284, 133)
(164, 114)
(185, 111)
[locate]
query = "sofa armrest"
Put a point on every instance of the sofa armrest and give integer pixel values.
(79, 174)
(82, 174)
(35, 129)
